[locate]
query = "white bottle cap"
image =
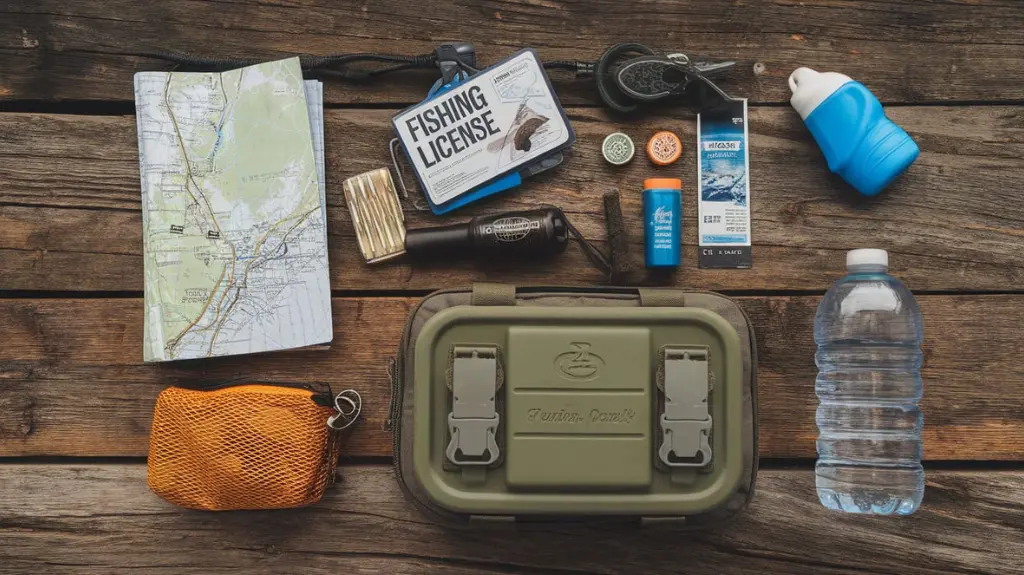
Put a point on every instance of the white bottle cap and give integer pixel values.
(811, 88)
(867, 257)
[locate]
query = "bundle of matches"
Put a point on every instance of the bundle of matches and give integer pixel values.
(376, 215)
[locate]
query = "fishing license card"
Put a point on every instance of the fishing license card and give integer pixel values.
(490, 125)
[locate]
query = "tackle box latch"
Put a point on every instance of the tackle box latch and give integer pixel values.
(686, 421)
(473, 421)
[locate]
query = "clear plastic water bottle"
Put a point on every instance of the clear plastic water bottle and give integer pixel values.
(868, 330)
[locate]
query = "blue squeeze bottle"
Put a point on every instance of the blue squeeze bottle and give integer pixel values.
(861, 144)
(663, 215)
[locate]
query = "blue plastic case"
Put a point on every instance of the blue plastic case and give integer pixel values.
(506, 181)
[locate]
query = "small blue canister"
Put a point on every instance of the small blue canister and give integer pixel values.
(663, 215)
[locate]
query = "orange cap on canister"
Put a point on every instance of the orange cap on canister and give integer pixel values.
(663, 184)
(664, 148)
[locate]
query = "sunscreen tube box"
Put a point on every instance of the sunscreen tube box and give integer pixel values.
(723, 198)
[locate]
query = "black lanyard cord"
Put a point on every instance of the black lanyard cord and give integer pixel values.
(333, 65)
(330, 65)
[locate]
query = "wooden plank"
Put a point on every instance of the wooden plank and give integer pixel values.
(952, 223)
(103, 519)
(906, 52)
(73, 382)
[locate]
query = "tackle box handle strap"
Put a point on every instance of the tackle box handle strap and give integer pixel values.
(490, 293)
(661, 297)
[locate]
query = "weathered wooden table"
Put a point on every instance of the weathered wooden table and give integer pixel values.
(76, 400)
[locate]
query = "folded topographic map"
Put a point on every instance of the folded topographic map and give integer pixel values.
(234, 219)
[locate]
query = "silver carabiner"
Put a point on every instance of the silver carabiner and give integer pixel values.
(418, 203)
(348, 404)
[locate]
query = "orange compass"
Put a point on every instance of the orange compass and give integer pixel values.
(664, 148)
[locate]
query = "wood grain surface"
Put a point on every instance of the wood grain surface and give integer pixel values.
(103, 519)
(905, 50)
(74, 385)
(70, 205)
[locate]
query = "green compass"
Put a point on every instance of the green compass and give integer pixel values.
(618, 149)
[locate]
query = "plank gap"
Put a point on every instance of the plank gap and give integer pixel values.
(764, 464)
(127, 107)
(419, 293)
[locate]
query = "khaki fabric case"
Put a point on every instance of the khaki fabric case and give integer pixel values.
(579, 393)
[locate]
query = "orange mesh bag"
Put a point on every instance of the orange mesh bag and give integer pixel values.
(242, 447)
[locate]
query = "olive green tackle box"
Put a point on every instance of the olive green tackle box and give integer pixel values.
(550, 403)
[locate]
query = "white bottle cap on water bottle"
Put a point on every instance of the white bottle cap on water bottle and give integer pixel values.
(811, 88)
(867, 257)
